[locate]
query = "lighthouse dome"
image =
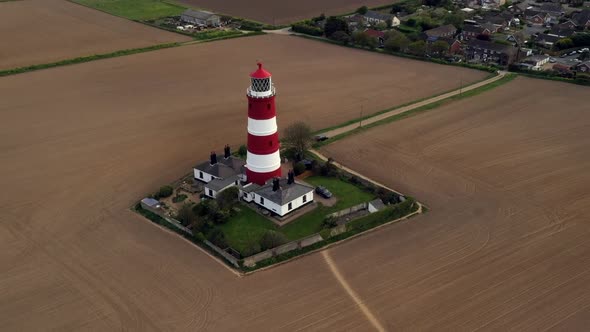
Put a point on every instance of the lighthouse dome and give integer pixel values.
(260, 72)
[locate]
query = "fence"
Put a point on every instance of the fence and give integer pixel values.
(221, 252)
(353, 209)
(298, 244)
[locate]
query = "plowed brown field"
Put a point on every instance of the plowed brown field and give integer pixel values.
(279, 12)
(44, 31)
(79, 144)
(505, 246)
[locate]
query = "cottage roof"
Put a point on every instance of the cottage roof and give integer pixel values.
(285, 194)
(486, 45)
(441, 30)
(224, 168)
(378, 16)
(375, 33)
(548, 38)
(562, 31)
(218, 184)
(582, 17)
(198, 14)
(477, 29)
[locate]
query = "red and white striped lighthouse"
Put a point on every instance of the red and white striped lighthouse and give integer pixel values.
(263, 161)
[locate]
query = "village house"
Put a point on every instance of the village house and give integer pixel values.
(582, 19)
(472, 31)
(554, 10)
(547, 40)
(535, 17)
(444, 31)
(200, 17)
(481, 51)
(536, 61)
(492, 4)
(584, 67)
(373, 17)
(517, 39)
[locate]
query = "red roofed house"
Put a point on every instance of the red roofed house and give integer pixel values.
(379, 35)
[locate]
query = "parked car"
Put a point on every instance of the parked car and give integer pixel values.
(322, 191)
(321, 138)
(552, 60)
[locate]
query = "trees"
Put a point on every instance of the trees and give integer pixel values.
(381, 26)
(362, 10)
(334, 24)
(185, 215)
(439, 47)
(364, 40)
(165, 191)
(272, 239)
(398, 43)
(243, 150)
(298, 137)
(417, 47)
(581, 39)
(307, 29)
(456, 19)
(299, 168)
(563, 44)
(341, 36)
(228, 198)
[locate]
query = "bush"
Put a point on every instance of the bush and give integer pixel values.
(341, 36)
(329, 222)
(299, 168)
(272, 239)
(217, 237)
(362, 10)
(251, 249)
(243, 150)
(250, 26)
(185, 215)
(228, 198)
(307, 29)
(165, 191)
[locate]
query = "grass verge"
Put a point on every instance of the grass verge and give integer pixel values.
(467, 94)
(136, 9)
(83, 59)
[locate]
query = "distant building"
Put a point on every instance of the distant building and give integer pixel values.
(373, 17)
(582, 19)
(150, 204)
(537, 61)
(536, 17)
(378, 35)
(492, 4)
(481, 51)
(444, 31)
(200, 17)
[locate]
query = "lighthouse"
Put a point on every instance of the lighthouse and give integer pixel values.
(263, 161)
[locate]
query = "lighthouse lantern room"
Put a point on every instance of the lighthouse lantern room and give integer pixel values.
(263, 161)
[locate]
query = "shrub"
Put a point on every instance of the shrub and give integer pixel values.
(185, 215)
(341, 36)
(251, 249)
(299, 168)
(228, 198)
(217, 237)
(272, 239)
(362, 10)
(329, 222)
(165, 191)
(307, 29)
(220, 217)
(354, 179)
(250, 26)
(243, 150)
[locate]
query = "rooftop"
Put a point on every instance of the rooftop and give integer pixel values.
(441, 30)
(199, 14)
(218, 184)
(224, 168)
(150, 202)
(260, 72)
(378, 16)
(286, 192)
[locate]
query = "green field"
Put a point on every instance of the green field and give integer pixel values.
(135, 9)
(248, 226)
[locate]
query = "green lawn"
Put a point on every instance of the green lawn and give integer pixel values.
(135, 9)
(248, 226)
(347, 194)
(245, 228)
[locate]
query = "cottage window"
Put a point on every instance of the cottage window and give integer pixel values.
(210, 192)
(304, 198)
(262, 200)
(200, 174)
(290, 206)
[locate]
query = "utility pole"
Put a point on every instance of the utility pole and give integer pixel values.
(361, 118)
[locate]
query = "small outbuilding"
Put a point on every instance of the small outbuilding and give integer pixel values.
(150, 204)
(200, 17)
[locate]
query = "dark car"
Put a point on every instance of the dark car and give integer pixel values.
(321, 138)
(322, 191)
